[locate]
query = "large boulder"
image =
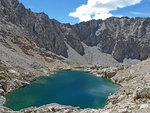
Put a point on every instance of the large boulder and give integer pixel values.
(1, 92)
(141, 93)
(2, 100)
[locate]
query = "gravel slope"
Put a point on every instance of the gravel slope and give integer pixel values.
(93, 56)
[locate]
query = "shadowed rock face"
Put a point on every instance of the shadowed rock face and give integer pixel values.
(121, 37)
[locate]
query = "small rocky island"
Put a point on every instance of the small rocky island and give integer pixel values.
(32, 45)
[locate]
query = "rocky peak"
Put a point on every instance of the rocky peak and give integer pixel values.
(121, 37)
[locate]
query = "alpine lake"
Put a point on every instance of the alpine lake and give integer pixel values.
(75, 88)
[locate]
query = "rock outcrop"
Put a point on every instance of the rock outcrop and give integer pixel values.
(142, 93)
(133, 94)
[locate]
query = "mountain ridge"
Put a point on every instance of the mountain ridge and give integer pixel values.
(121, 37)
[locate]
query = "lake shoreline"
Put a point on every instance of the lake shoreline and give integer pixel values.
(86, 78)
(125, 99)
(69, 68)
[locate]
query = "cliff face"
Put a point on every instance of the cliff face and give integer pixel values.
(121, 37)
(44, 32)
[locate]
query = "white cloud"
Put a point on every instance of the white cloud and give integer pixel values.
(100, 9)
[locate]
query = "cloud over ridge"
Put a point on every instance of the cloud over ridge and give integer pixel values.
(100, 9)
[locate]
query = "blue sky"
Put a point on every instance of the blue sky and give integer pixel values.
(74, 11)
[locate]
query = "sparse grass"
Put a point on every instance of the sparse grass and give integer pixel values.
(19, 78)
(28, 111)
(79, 67)
(95, 67)
(5, 70)
(29, 40)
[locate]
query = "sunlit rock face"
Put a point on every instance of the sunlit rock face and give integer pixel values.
(121, 37)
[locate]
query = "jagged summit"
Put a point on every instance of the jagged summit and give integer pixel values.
(121, 37)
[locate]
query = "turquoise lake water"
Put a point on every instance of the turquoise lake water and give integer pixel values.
(64, 87)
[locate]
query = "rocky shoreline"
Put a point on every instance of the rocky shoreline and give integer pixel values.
(131, 97)
(106, 73)
(134, 91)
